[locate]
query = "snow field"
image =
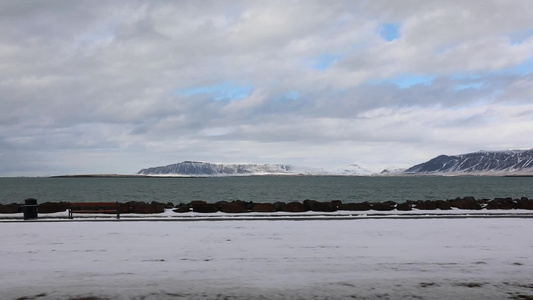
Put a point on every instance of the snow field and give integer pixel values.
(319, 259)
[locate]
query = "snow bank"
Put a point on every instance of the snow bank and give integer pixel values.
(170, 215)
(334, 259)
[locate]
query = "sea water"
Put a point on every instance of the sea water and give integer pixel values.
(262, 189)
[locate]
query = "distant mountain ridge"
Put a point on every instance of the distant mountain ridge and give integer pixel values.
(507, 162)
(495, 163)
(194, 168)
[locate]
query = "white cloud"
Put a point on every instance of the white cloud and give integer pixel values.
(83, 82)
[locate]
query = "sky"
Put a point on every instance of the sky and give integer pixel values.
(91, 87)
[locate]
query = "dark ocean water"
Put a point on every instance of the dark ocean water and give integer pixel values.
(262, 189)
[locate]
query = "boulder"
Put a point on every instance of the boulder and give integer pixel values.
(196, 203)
(503, 200)
(164, 205)
(295, 207)
(382, 206)
(280, 206)
(234, 207)
(247, 204)
(205, 208)
(264, 207)
(443, 205)
(314, 205)
(12, 208)
(52, 207)
(404, 206)
(182, 209)
(465, 203)
(219, 204)
(492, 205)
(336, 203)
(426, 205)
(355, 206)
(524, 203)
(508, 205)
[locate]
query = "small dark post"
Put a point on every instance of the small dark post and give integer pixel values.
(30, 209)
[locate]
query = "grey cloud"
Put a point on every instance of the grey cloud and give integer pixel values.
(86, 79)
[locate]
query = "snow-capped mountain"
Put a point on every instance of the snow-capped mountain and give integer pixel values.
(479, 163)
(393, 171)
(193, 168)
(352, 169)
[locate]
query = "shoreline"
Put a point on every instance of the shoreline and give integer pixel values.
(169, 216)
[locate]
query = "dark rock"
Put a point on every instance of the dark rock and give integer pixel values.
(492, 205)
(336, 203)
(234, 207)
(197, 203)
(182, 209)
(52, 207)
(355, 206)
(295, 207)
(382, 206)
(404, 206)
(219, 204)
(483, 201)
(12, 208)
(443, 205)
(280, 206)
(524, 204)
(205, 208)
(465, 203)
(264, 207)
(164, 205)
(310, 204)
(247, 204)
(508, 205)
(314, 205)
(426, 205)
(502, 203)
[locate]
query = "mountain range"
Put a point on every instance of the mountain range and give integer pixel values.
(509, 162)
(194, 168)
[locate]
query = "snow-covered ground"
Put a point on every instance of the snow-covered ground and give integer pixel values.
(480, 258)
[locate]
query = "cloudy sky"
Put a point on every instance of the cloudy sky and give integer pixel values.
(116, 86)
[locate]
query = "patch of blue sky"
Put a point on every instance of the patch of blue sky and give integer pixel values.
(518, 37)
(522, 69)
(325, 61)
(389, 31)
(292, 95)
(404, 81)
(223, 91)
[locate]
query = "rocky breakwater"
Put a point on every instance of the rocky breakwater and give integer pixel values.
(467, 203)
(238, 206)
